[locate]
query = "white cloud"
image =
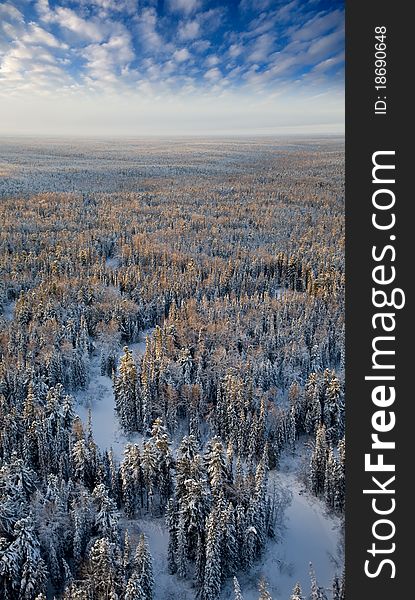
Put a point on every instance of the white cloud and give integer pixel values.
(8, 11)
(188, 30)
(262, 47)
(108, 63)
(46, 14)
(201, 45)
(318, 26)
(212, 60)
(325, 45)
(147, 30)
(89, 30)
(184, 6)
(235, 50)
(106, 7)
(38, 35)
(181, 55)
(254, 5)
(11, 24)
(31, 69)
(329, 63)
(213, 74)
(212, 18)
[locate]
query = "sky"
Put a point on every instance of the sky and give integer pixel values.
(168, 67)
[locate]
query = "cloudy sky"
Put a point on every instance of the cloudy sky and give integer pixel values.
(140, 67)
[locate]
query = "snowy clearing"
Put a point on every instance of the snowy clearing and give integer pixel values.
(8, 311)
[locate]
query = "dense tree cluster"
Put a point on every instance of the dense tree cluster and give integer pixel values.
(234, 268)
(338, 591)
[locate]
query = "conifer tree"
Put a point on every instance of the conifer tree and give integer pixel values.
(316, 591)
(237, 590)
(319, 461)
(106, 517)
(263, 590)
(216, 464)
(297, 594)
(161, 442)
(103, 569)
(125, 391)
(213, 572)
(134, 591)
(143, 568)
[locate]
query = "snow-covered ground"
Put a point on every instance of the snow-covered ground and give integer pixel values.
(309, 533)
(8, 311)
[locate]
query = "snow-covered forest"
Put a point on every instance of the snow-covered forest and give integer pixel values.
(171, 369)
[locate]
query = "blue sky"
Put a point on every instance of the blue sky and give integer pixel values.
(148, 66)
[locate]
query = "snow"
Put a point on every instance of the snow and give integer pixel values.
(8, 311)
(99, 397)
(113, 262)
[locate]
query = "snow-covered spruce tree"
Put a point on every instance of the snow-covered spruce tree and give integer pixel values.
(23, 571)
(103, 569)
(106, 516)
(250, 547)
(318, 462)
(317, 593)
(132, 480)
(161, 442)
(150, 470)
(260, 501)
(297, 593)
(186, 463)
(335, 588)
(82, 462)
(126, 555)
(263, 590)
(133, 590)
(213, 571)
(114, 482)
(330, 479)
(82, 523)
(200, 563)
(332, 406)
(229, 552)
(215, 464)
(193, 507)
(148, 386)
(339, 478)
(186, 363)
(292, 429)
(237, 590)
(125, 392)
(181, 555)
(143, 568)
(312, 403)
(171, 522)
(240, 533)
